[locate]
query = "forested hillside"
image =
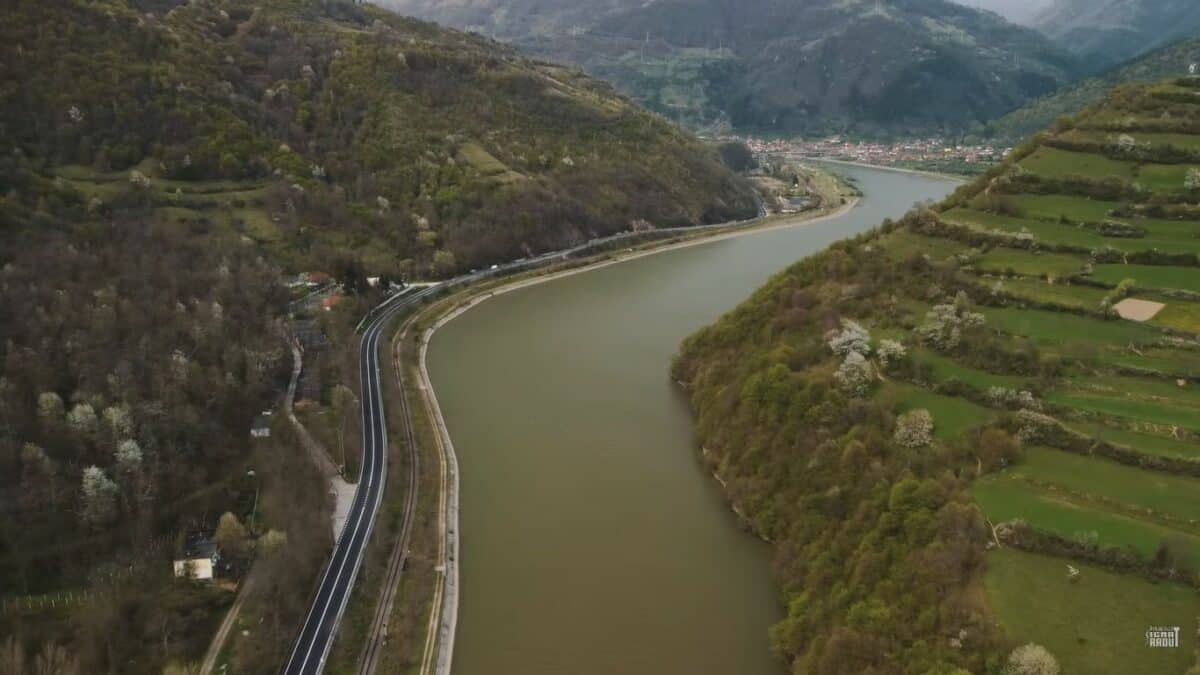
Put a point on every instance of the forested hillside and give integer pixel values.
(324, 128)
(164, 166)
(973, 434)
(1170, 61)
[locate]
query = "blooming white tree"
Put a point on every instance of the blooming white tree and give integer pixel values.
(1033, 426)
(890, 352)
(119, 421)
(855, 374)
(1031, 659)
(82, 418)
(1003, 397)
(914, 429)
(944, 325)
(1192, 181)
(98, 506)
(129, 456)
(852, 337)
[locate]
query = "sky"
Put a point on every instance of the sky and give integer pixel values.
(1019, 11)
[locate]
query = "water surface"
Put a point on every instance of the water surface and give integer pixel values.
(592, 539)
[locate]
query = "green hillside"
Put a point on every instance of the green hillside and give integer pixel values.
(1170, 61)
(325, 128)
(978, 427)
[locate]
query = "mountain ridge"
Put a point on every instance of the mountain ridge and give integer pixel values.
(770, 65)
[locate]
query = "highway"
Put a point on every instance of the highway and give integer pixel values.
(319, 630)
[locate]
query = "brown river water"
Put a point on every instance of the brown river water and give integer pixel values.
(593, 541)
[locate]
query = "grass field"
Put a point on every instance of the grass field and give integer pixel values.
(945, 369)
(1055, 163)
(1150, 276)
(1004, 498)
(1095, 625)
(1064, 294)
(1080, 209)
(951, 416)
(1058, 328)
(1179, 315)
(1052, 162)
(1150, 444)
(1163, 235)
(903, 245)
(1031, 263)
(1151, 494)
(1140, 137)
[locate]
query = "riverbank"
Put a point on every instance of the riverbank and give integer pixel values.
(898, 169)
(441, 627)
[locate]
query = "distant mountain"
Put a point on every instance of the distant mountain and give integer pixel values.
(818, 66)
(1017, 11)
(1167, 61)
(1108, 32)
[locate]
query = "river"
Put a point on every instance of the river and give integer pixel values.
(592, 539)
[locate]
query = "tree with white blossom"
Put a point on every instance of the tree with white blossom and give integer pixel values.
(851, 337)
(1192, 181)
(855, 374)
(98, 503)
(914, 429)
(890, 352)
(944, 324)
(1031, 659)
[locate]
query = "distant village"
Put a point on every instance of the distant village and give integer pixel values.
(931, 153)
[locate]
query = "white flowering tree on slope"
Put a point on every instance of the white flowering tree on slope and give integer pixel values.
(853, 343)
(914, 429)
(851, 337)
(944, 324)
(855, 374)
(1031, 659)
(1192, 181)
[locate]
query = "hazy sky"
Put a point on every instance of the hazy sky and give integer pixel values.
(1016, 10)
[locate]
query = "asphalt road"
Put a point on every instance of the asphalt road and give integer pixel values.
(320, 626)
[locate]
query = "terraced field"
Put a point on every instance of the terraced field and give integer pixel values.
(1108, 478)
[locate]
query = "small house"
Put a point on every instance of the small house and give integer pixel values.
(200, 558)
